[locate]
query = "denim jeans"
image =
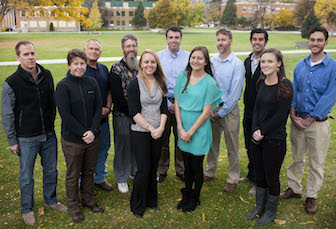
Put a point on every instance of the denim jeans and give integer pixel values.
(28, 152)
(104, 145)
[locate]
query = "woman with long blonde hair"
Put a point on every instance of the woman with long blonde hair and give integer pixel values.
(148, 108)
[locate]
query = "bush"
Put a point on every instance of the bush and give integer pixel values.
(51, 27)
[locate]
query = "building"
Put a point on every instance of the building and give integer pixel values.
(8, 22)
(118, 15)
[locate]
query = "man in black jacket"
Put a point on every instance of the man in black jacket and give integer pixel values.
(258, 38)
(28, 114)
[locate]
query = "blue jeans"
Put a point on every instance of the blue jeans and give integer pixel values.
(104, 145)
(28, 152)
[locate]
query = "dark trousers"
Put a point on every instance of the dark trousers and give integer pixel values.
(247, 124)
(80, 162)
(147, 154)
(193, 172)
(268, 156)
(165, 153)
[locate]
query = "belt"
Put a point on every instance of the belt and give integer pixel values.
(325, 118)
(171, 99)
(221, 104)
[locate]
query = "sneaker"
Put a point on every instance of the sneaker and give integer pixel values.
(229, 187)
(311, 205)
(131, 177)
(57, 207)
(253, 190)
(123, 187)
(29, 218)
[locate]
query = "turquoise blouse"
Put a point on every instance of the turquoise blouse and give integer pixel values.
(191, 103)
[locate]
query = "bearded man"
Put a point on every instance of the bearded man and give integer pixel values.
(121, 75)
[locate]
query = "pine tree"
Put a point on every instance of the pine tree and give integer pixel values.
(139, 20)
(230, 13)
(95, 17)
(308, 23)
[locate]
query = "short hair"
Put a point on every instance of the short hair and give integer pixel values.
(127, 37)
(259, 30)
(319, 29)
(225, 32)
(174, 29)
(74, 53)
(18, 45)
(92, 39)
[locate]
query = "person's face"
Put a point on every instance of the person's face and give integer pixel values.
(317, 42)
(223, 42)
(197, 61)
(130, 48)
(77, 67)
(93, 51)
(27, 57)
(174, 40)
(148, 64)
(269, 64)
(258, 42)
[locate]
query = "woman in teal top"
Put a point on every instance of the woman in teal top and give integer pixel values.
(195, 93)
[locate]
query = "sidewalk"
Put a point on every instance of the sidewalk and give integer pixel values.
(110, 59)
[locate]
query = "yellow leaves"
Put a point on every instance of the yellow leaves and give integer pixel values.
(241, 198)
(308, 222)
(41, 211)
(284, 18)
(326, 10)
(203, 217)
(279, 221)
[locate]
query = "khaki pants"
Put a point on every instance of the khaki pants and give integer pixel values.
(314, 140)
(230, 125)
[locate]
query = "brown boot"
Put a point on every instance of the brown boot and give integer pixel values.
(106, 186)
(77, 217)
(289, 193)
(311, 206)
(229, 187)
(207, 179)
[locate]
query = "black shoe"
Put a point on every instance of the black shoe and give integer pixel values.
(270, 210)
(185, 198)
(261, 197)
(138, 215)
(191, 203)
(155, 208)
(161, 177)
(181, 176)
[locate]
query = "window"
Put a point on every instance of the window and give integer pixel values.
(118, 22)
(123, 13)
(118, 13)
(131, 13)
(244, 9)
(23, 13)
(123, 23)
(111, 23)
(249, 9)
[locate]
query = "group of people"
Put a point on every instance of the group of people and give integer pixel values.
(190, 93)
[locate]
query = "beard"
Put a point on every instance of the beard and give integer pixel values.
(132, 62)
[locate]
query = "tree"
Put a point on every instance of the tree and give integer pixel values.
(302, 9)
(51, 27)
(213, 11)
(185, 9)
(197, 14)
(262, 7)
(163, 15)
(139, 19)
(269, 20)
(284, 18)
(308, 23)
(95, 17)
(62, 9)
(326, 10)
(229, 13)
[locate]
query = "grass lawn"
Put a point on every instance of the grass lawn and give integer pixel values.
(217, 209)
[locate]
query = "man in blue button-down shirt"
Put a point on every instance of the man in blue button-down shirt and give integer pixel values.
(173, 61)
(229, 73)
(314, 94)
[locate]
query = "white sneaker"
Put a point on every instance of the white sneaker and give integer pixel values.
(253, 190)
(123, 187)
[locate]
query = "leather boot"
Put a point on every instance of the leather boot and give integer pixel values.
(270, 210)
(261, 194)
(191, 203)
(185, 198)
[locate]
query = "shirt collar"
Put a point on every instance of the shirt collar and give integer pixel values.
(228, 58)
(94, 69)
(176, 55)
(325, 61)
(252, 58)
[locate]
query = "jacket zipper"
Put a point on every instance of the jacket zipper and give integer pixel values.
(82, 96)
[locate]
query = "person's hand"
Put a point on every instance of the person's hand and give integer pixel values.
(214, 116)
(185, 136)
(88, 137)
(157, 133)
(105, 112)
(257, 135)
(14, 149)
(301, 123)
(171, 109)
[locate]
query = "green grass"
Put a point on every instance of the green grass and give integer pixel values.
(56, 45)
(217, 210)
